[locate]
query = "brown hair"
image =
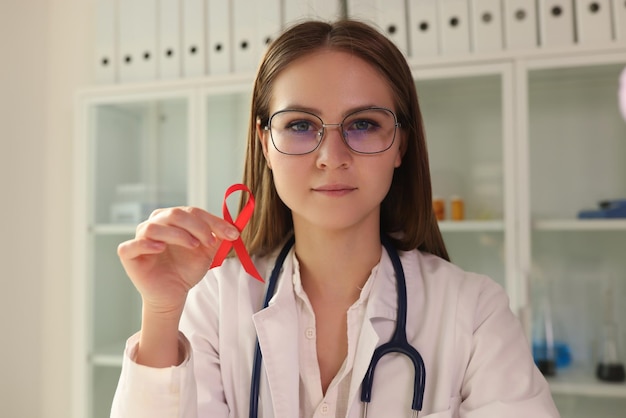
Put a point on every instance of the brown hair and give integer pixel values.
(406, 211)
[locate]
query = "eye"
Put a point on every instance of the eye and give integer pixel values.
(300, 126)
(361, 125)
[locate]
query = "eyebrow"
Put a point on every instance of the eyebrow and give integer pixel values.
(316, 111)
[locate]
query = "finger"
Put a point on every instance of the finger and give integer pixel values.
(168, 234)
(220, 228)
(204, 226)
(187, 219)
(137, 247)
(156, 212)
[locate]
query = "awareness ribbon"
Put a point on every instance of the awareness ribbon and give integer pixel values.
(242, 219)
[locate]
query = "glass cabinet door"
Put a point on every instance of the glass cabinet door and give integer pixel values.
(577, 160)
(224, 135)
(137, 156)
(466, 115)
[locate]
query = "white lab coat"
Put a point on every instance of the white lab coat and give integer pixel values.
(478, 361)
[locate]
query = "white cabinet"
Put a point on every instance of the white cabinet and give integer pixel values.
(471, 148)
(132, 155)
(525, 139)
(139, 148)
(577, 159)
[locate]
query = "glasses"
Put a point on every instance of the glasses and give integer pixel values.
(366, 131)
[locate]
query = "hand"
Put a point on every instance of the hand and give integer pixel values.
(170, 254)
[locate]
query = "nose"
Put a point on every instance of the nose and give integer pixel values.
(333, 151)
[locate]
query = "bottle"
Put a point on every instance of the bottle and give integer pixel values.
(439, 208)
(609, 368)
(457, 208)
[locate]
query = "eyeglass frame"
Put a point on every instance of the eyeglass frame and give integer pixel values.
(322, 130)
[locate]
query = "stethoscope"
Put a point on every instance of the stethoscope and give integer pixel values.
(397, 344)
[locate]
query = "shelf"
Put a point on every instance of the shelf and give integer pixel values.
(113, 229)
(109, 356)
(471, 226)
(580, 225)
(582, 381)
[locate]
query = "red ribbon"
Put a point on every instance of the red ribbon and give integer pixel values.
(242, 219)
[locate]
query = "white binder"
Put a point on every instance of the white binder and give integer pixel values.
(137, 37)
(194, 50)
(245, 50)
(619, 21)
(423, 28)
(556, 23)
(389, 16)
(593, 21)
(106, 42)
(454, 25)
(486, 25)
(520, 24)
(392, 19)
(219, 42)
(169, 58)
(295, 10)
(329, 10)
(268, 24)
(366, 10)
(298, 10)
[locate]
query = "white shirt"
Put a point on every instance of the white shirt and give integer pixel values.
(478, 361)
(313, 403)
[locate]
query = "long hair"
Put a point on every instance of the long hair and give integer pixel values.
(406, 211)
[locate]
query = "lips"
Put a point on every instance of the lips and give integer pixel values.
(335, 189)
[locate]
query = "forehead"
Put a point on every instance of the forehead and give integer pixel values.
(330, 82)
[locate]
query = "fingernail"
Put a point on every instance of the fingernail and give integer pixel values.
(232, 233)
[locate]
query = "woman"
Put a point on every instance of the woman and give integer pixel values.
(336, 158)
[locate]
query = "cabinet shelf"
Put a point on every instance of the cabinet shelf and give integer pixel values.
(471, 226)
(580, 225)
(113, 229)
(109, 356)
(581, 381)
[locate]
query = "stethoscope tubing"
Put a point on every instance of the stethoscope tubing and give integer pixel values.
(255, 382)
(398, 342)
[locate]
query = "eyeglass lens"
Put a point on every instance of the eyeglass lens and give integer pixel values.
(367, 131)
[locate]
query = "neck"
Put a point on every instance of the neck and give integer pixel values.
(337, 264)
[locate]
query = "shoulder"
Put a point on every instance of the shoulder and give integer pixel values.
(436, 272)
(471, 295)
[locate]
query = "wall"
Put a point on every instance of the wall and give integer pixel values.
(45, 54)
(23, 28)
(69, 59)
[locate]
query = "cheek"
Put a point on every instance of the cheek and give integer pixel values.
(398, 160)
(288, 173)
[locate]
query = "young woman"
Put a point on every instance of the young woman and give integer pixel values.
(337, 160)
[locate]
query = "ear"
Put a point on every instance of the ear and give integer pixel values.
(264, 138)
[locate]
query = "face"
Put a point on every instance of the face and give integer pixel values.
(332, 187)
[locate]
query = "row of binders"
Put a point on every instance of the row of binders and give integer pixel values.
(452, 27)
(144, 40)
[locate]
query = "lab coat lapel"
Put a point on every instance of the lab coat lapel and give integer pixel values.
(368, 341)
(382, 307)
(277, 331)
